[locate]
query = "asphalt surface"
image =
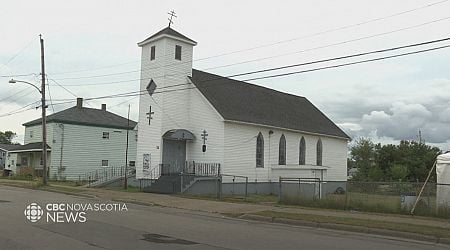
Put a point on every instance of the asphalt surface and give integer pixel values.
(143, 227)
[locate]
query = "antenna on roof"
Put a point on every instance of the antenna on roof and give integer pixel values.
(172, 15)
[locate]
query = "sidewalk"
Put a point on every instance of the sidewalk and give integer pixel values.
(430, 229)
(244, 208)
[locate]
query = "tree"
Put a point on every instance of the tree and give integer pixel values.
(7, 137)
(399, 172)
(363, 155)
(408, 161)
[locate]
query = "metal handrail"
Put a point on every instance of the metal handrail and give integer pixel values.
(105, 174)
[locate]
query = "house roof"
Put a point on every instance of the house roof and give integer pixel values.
(9, 147)
(35, 146)
(244, 102)
(167, 31)
(87, 116)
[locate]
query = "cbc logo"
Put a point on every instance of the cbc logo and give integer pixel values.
(33, 212)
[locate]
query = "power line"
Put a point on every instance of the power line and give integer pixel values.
(142, 92)
(50, 95)
(347, 64)
(19, 110)
(331, 45)
(19, 52)
(62, 86)
(282, 41)
(9, 96)
(345, 57)
(266, 58)
(17, 75)
(335, 29)
(126, 101)
(293, 65)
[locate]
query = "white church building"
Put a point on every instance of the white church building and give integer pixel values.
(187, 115)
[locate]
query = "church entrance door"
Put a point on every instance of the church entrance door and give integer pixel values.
(174, 155)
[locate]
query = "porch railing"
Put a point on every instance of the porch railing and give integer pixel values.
(105, 174)
(192, 168)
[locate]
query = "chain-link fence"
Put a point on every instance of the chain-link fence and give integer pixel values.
(385, 197)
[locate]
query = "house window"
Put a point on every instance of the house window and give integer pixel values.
(31, 134)
(178, 52)
(105, 135)
(104, 163)
(282, 151)
(152, 53)
(260, 151)
(319, 153)
(302, 152)
(132, 164)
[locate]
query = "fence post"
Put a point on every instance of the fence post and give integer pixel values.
(346, 195)
(246, 187)
(233, 184)
(219, 187)
(279, 189)
(181, 188)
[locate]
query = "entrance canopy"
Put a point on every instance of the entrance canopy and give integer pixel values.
(179, 134)
(30, 147)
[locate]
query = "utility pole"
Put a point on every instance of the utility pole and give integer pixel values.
(125, 181)
(44, 118)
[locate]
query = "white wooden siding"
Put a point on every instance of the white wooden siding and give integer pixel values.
(171, 109)
(232, 144)
(240, 153)
(36, 130)
(83, 148)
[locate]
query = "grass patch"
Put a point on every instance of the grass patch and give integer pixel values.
(419, 229)
(366, 202)
(130, 189)
(37, 184)
(253, 198)
(64, 183)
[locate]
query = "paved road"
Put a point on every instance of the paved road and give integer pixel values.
(143, 227)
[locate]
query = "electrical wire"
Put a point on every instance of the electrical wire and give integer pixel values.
(142, 92)
(329, 45)
(293, 65)
(20, 110)
(283, 41)
(50, 95)
(347, 64)
(274, 56)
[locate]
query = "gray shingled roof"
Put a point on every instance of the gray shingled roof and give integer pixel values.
(9, 147)
(171, 32)
(29, 147)
(86, 116)
(245, 102)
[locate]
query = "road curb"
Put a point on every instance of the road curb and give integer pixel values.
(350, 228)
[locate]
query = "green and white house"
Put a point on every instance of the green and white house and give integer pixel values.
(79, 140)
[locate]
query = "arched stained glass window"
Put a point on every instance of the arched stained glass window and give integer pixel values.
(319, 153)
(302, 152)
(260, 151)
(282, 151)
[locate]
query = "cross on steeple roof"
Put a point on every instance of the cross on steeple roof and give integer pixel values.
(172, 15)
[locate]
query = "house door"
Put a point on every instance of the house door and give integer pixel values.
(174, 154)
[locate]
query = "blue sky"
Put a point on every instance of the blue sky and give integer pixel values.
(387, 100)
